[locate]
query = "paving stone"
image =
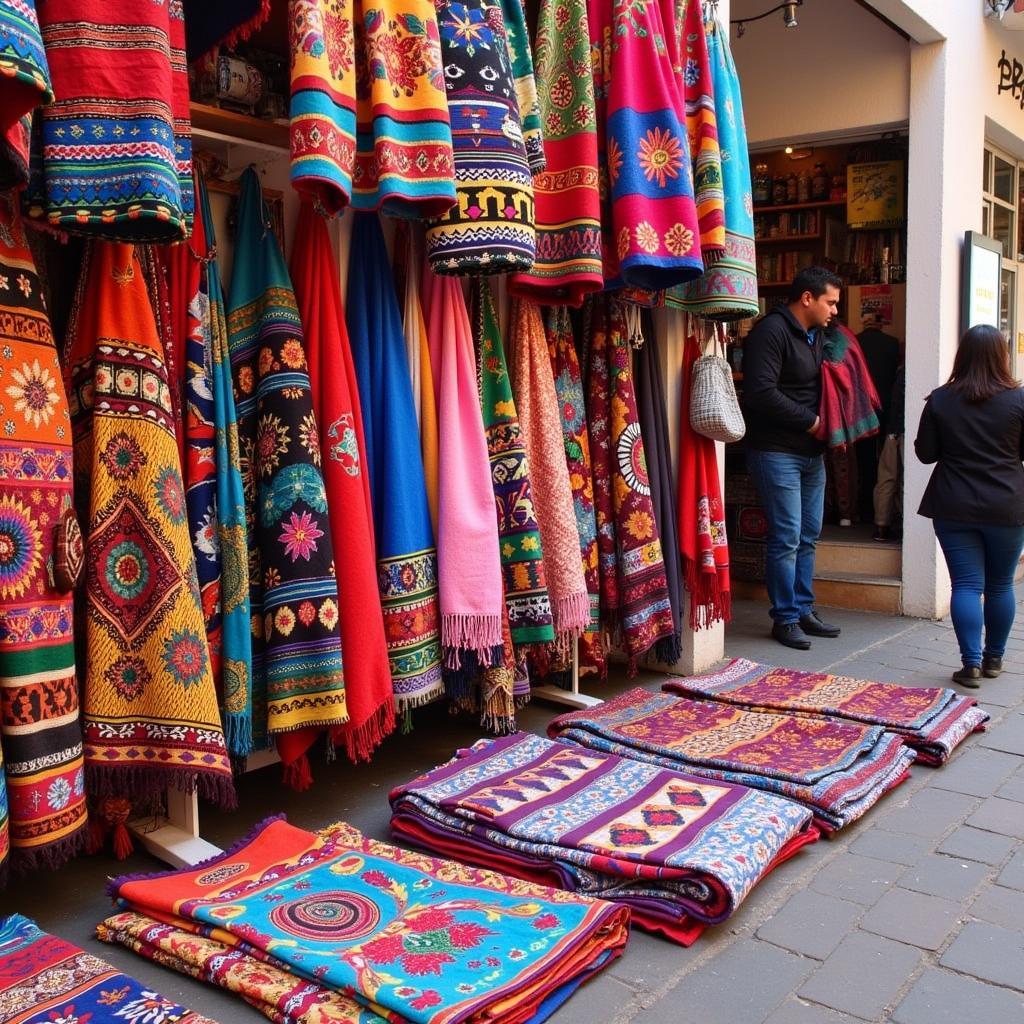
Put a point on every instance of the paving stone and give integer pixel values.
(898, 847)
(930, 813)
(794, 1011)
(976, 844)
(976, 772)
(1007, 735)
(602, 999)
(941, 997)
(997, 815)
(646, 966)
(741, 985)
(1013, 788)
(863, 976)
(811, 923)
(1013, 874)
(1003, 692)
(912, 917)
(999, 905)
(858, 879)
(952, 878)
(989, 952)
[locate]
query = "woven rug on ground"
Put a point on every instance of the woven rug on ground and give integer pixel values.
(430, 940)
(45, 980)
(932, 720)
(681, 851)
(837, 769)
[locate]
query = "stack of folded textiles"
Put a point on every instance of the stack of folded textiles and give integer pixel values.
(682, 852)
(837, 769)
(932, 720)
(338, 927)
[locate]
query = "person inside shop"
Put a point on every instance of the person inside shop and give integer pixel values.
(888, 493)
(972, 429)
(781, 396)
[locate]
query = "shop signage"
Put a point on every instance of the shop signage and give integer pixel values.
(874, 194)
(982, 269)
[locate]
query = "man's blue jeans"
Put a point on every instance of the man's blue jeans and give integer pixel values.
(792, 491)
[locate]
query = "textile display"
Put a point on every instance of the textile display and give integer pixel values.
(208, 25)
(150, 709)
(567, 201)
(728, 288)
(44, 979)
(406, 554)
(116, 140)
(680, 851)
(42, 814)
(26, 78)
(849, 402)
(397, 932)
(931, 720)
(332, 376)
(702, 537)
(522, 561)
(536, 403)
(517, 37)
(839, 770)
(490, 229)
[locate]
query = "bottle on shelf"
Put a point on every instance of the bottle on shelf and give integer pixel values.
(779, 191)
(819, 183)
(762, 184)
(792, 187)
(803, 187)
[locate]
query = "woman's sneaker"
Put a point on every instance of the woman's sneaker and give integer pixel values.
(991, 667)
(968, 676)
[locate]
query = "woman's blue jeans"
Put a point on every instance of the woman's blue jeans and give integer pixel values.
(982, 560)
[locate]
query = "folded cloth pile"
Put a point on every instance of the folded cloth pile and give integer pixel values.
(378, 932)
(681, 851)
(837, 769)
(932, 720)
(44, 980)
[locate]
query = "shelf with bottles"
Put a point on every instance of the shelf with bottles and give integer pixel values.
(771, 227)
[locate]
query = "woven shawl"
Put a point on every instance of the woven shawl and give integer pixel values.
(298, 679)
(116, 140)
(849, 401)
(518, 40)
(39, 719)
(702, 540)
(406, 555)
(26, 85)
(469, 561)
(537, 405)
(150, 708)
(332, 376)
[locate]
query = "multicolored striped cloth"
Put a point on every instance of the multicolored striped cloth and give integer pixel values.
(26, 78)
(517, 38)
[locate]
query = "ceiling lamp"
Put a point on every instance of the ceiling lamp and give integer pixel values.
(788, 16)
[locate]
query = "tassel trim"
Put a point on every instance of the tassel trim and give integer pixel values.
(479, 633)
(708, 602)
(571, 614)
(238, 734)
(147, 783)
(241, 33)
(362, 740)
(51, 857)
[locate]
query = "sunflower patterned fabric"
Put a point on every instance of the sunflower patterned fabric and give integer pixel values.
(40, 735)
(150, 709)
(298, 679)
(26, 83)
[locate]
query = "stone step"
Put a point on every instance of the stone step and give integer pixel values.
(856, 590)
(874, 558)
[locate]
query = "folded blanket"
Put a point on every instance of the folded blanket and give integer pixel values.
(681, 851)
(837, 769)
(932, 720)
(406, 936)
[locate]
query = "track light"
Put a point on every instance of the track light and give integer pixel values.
(789, 15)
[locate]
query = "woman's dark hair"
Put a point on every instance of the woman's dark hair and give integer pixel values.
(981, 368)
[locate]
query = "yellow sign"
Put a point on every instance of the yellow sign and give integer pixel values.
(874, 194)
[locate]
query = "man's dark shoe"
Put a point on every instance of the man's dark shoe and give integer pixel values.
(968, 676)
(991, 667)
(791, 635)
(813, 626)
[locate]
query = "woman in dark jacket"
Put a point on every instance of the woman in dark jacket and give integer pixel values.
(973, 429)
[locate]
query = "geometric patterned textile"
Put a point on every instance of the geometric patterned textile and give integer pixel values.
(26, 84)
(518, 42)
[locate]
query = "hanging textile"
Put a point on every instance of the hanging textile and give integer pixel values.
(537, 405)
(702, 539)
(513, 13)
(299, 682)
(150, 709)
(565, 367)
(728, 289)
(332, 377)
(40, 559)
(116, 141)
(406, 555)
(849, 401)
(26, 78)
(216, 24)
(653, 414)
(490, 230)
(469, 561)
(568, 204)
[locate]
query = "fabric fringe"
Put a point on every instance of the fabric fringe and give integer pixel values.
(479, 633)
(148, 786)
(51, 857)
(669, 649)
(240, 34)
(238, 734)
(460, 679)
(404, 705)
(407, 720)
(571, 613)
(708, 603)
(360, 743)
(298, 775)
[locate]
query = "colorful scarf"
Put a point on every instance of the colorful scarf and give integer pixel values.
(406, 555)
(932, 720)
(490, 229)
(513, 13)
(522, 560)
(116, 140)
(469, 560)
(849, 401)
(728, 289)
(568, 203)
(838, 770)
(702, 540)
(150, 709)
(332, 376)
(211, 24)
(537, 404)
(26, 85)
(44, 979)
(405, 935)
(298, 682)
(682, 852)
(40, 559)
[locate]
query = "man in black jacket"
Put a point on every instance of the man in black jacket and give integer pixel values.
(781, 397)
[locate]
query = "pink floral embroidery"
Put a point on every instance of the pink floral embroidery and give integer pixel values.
(300, 535)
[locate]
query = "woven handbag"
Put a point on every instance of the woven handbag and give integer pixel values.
(714, 408)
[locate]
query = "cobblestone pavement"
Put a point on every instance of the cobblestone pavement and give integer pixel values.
(913, 915)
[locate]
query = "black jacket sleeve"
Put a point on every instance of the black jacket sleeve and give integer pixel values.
(926, 444)
(762, 366)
